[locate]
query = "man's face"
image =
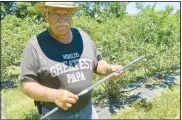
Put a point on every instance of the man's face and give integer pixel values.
(59, 20)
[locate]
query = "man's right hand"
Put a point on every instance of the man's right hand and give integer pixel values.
(64, 99)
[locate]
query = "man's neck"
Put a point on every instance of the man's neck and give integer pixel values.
(63, 38)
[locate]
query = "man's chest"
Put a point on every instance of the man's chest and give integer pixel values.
(69, 68)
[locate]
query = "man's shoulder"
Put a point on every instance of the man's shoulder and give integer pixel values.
(73, 29)
(82, 32)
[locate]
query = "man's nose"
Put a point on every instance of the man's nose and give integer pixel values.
(61, 19)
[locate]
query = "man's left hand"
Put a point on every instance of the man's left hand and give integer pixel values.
(103, 68)
(113, 68)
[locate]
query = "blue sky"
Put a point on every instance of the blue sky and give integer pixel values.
(131, 9)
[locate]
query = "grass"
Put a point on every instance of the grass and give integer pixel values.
(167, 106)
(18, 105)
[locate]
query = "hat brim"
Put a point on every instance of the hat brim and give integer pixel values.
(40, 7)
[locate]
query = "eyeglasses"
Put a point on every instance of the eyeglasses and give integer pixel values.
(57, 16)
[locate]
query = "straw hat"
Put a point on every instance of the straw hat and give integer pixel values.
(68, 5)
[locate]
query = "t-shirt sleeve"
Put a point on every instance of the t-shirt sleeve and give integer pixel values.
(29, 63)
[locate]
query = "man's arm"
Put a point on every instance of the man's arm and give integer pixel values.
(103, 68)
(37, 91)
(60, 97)
(31, 87)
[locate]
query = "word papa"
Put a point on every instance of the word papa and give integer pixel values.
(76, 65)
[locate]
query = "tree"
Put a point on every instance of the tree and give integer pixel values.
(19, 9)
(116, 9)
(7, 8)
(101, 10)
(139, 5)
(178, 11)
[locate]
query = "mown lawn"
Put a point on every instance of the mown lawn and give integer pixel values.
(166, 106)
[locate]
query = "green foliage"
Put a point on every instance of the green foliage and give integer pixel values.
(12, 72)
(15, 34)
(32, 114)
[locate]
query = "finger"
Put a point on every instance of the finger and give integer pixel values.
(119, 67)
(76, 97)
(121, 72)
(64, 108)
(60, 104)
(64, 99)
(73, 96)
(115, 67)
(67, 105)
(113, 78)
(71, 100)
(116, 74)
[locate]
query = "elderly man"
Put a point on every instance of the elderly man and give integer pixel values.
(59, 63)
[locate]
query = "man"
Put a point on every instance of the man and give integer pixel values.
(59, 63)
